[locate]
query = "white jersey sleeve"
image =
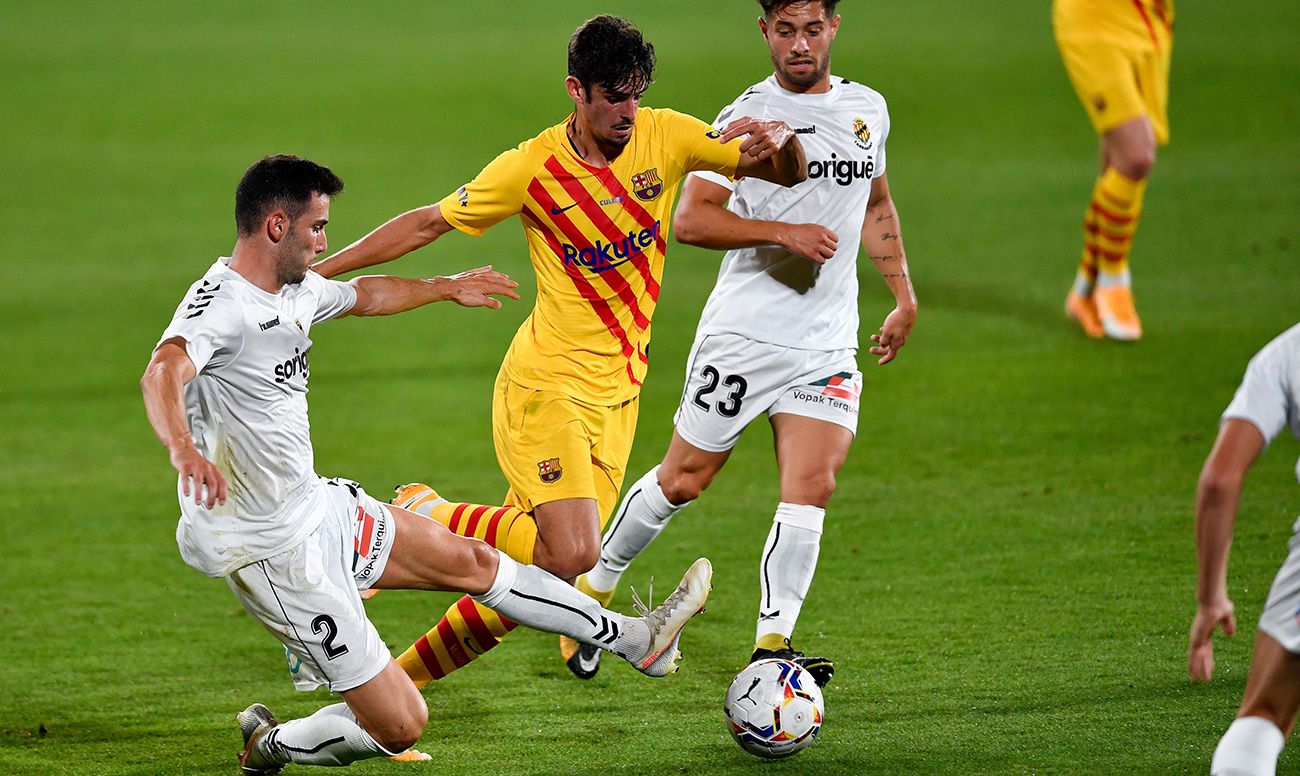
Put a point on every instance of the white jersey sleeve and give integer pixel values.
(1270, 391)
(332, 297)
(884, 136)
(210, 322)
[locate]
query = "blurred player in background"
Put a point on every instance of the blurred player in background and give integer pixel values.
(593, 194)
(1117, 55)
(1267, 402)
(779, 333)
(226, 393)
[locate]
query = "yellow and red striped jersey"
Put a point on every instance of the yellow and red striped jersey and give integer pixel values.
(1140, 23)
(596, 237)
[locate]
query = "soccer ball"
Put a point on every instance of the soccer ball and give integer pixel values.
(774, 708)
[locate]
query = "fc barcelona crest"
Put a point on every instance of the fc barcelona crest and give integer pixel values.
(549, 470)
(862, 132)
(647, 185)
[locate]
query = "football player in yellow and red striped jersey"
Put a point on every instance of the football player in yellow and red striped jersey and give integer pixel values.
(1117, 55)
(594, 194)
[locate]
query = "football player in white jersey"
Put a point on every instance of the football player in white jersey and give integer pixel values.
(779, 333)
(226, 393)
(1267, 402)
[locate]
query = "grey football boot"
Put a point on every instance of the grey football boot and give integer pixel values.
(667, 619)
(254, 723)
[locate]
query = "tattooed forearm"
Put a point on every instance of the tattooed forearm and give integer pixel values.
(879, 259)
(889, 236)
(884, 217)
(893, 275)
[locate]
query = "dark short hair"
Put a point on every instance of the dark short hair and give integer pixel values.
(280, 181)
(772, 6)
(608, 51)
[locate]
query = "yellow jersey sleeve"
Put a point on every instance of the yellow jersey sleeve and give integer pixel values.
(695, 145)
(494, 195)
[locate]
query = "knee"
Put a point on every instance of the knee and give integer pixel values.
(1135, 163)
(578, 562)
(682, 485)
(569, 559)
(403, 728)
(814, 488)
(479, 561)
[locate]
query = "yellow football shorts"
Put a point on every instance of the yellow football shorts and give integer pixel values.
(1117, 82)
(551, 446)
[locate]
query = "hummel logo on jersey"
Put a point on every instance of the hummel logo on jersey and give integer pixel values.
(843, 171)
(271, 324)
(555, 211)
(603, 256)
(806, 130)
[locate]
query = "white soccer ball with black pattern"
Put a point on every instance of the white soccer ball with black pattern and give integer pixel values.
(774, 708)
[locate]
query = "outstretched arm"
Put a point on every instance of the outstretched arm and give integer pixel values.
(771, 151)
(163, 385)
(388, 295)
(1218, 494)
(702, 219)
(882, 239)
(398, 237)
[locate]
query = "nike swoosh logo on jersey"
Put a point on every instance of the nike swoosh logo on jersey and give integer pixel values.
(555, 211)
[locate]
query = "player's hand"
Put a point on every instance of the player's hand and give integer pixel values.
(476, 288)
(814, 242)
(766, 137)
(200, 478)
(893, 334)
(1200, 647)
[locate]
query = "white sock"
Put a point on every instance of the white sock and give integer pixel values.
(637, 521)
(331, 736)
(1108, 279)
(786, 570)
(533, 597)
(1249, 748)
(1083, 284)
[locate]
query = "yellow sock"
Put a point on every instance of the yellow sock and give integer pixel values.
(602, 596)
(1087, 274)
(772, 642)
(464, 633)
(508, 529)
(468, 629)
(1117, 203)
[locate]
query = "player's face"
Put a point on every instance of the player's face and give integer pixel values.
(799, 37)
(303, 242)
(608, 114)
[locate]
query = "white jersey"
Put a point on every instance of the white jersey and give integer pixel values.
(247, 412)
(1269, 396)
(766, 293)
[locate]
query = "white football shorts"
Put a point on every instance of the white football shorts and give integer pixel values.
(307, 596)
(730, 380)
(1281, 617)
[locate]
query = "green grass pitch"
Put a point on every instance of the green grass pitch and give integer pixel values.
(1006, 578)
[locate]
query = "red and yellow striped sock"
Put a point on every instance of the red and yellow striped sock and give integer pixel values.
(1087, 274)
(1117, 203)
(468, 630)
